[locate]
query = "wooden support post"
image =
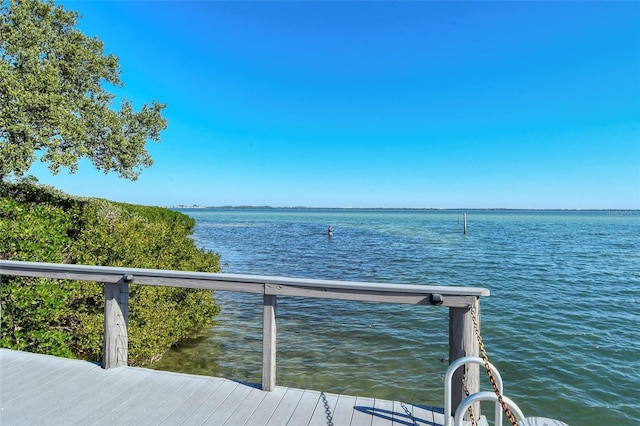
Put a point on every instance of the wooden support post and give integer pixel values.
(269, 343)
(116, 322)
(463, 342)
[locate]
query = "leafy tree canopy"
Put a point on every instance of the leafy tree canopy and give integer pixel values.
(53, 101)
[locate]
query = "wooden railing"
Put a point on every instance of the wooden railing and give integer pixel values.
(459, 300)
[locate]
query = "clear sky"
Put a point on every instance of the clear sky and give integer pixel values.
(381, 104)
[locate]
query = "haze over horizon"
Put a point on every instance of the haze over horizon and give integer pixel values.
(523, 105)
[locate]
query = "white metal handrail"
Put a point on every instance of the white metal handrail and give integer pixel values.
(448, 414)
(486, 396)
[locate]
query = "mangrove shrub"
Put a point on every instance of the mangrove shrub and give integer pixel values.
(65, 318)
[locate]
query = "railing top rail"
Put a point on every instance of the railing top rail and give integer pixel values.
(10, 267)
(451, 296)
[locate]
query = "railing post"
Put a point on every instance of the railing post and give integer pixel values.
(269, 343)
(116, 322)
(463, 342)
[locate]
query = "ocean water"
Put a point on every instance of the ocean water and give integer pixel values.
(562, 323)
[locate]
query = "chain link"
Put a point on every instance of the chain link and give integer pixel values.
(485, 358)
(472, 418)
(327, 409)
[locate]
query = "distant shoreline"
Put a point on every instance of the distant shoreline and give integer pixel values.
(632, 212)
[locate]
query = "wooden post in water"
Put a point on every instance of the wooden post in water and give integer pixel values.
(116, 321)
(463, 342)
(269, 343)
(465, 223)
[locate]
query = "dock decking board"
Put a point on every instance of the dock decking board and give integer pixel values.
(42, 389)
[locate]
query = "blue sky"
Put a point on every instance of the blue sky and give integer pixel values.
(382, 104)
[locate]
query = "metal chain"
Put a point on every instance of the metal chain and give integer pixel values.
(485, 358)
(327, 409)
(472, 418)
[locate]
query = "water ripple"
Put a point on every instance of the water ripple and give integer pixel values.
(561, 323)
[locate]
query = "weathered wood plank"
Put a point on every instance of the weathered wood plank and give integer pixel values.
(285, 409)
(423, 415)
(85, 390)
(210, 404)
(187, 408)
(114, 405)
(23, 377)
(383, 413)
(261, 415)
(344, 409)
(173, 398)
(144, 404)
(247, 407)
(305, 409)
(42, 404)
(231, 403)
(31, 410)
(113, 382)
(13, 363)
(363, 412)
(83, 393)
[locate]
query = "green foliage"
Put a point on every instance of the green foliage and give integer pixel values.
(148, 237)
(33, 232)
(35, 319)
(53, 100)
(32, 309)
(64, 318)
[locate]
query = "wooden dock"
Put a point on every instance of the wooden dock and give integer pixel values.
(42, 389)
(38, 389)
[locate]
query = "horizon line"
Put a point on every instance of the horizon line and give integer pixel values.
(256, 207)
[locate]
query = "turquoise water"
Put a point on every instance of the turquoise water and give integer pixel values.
(562, 323)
